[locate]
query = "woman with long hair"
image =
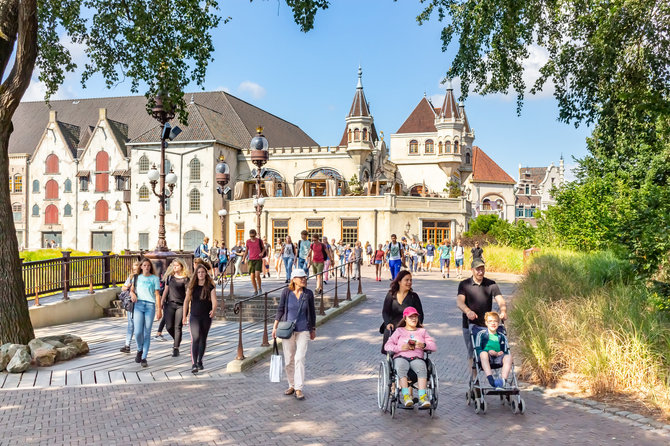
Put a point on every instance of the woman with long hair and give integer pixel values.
(199, 310)
(147, 298)
(399, 297)
(176, 278)
(277, 255)
(126, 287)
(288, 253)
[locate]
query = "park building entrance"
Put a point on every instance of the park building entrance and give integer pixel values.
(435, 231)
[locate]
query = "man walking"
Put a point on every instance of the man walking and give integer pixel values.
(395, 254)
(254, 257)
(303, 250)
(316, 258)
(459, 254)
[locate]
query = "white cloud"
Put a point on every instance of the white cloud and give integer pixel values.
(255, 90)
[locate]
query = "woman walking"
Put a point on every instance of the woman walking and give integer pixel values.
(126, 287)
(176, 278)
(147, 298)
(278, 257)
(378, 258)
(296, 304)
(327, 263)
(399, 297)
(223, 261)
(199, 310)
(288, 255)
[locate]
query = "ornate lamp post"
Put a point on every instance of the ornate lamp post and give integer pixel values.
(222, 179)
(259, 156)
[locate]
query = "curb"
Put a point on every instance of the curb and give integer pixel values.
(258, 353)
(610, 411)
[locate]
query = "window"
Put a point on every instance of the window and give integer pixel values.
(519, 212)
(455, 146)
(83, 184)
(194, 167)
(51, 215)
(143, 241)
(357, 135)
(67, 211)
(365, 134)
(349, 231)
(67, 186)
(17, 211)
(447, 147)
(467, 158)
(239, 233)
(85, 206)
(279, 230)
(168, 202)
(429, 147)
(36, 211)
(315, 227)
(527, 189)
(440, 147)
(349, 139)
(144, 193)
(435, 231)
(280, 191)
(143, 164)
(413, 146)
(102, 172)
(417, 191)
(120, 182)
(117, 205)
(194, 201)
(51, 190)
(101, 211)
(18, 183)
(51, 166)
(530, 212)
(36, 187)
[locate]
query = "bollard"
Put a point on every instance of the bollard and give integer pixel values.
(65, 273)
(348, 284)
(265, 342)
(360, 286)
(240, 348)
(322, 308)
(336, 303)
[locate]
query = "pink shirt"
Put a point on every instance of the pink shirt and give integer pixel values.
(254, 248)
(318, 249)
(402, 335)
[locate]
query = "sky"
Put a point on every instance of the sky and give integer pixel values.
(309, 79)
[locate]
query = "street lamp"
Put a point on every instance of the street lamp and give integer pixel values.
(259, 156)
(407, 228)
(222, 179)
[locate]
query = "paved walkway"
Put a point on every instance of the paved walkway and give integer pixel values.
(340, 407)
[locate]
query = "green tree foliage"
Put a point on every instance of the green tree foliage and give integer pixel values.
(517, 235)
(453, 189)
(482, 224)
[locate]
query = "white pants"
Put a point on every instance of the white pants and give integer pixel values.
(295, 349)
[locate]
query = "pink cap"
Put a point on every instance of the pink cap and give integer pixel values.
(409, 311)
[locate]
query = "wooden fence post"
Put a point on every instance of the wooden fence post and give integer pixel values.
(65, 273)
(106, 269)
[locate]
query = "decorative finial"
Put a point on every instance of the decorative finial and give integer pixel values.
(424, 93)
(450, 84)
(259, 129)
(360, 75)
(192, 101)
(222, 158)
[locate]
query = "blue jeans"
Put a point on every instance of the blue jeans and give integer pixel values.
(144, 318)
(413, 263)
(288, 266)
(342, 262)
(130, 329)
(394, 266)
(302, 263)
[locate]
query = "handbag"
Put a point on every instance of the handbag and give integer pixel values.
(285, 328)
(276, 364)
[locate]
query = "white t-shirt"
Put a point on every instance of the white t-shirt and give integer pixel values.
(394, 251)
(458, 252)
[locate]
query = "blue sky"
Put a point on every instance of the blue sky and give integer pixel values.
(309, 79)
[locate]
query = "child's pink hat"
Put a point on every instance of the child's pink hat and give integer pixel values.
(409, 311)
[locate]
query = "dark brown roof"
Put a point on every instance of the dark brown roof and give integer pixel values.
(232, 120)
(484, 169)
(421, 120)
(449, 108)
(528, 200)
(537, 174)
(71, 134)
(359, 106)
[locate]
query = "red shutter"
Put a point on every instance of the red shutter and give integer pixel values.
(52, 164)
(102, 172)
(51, 215)
(102, 182)
(51, 190)
(101, 211)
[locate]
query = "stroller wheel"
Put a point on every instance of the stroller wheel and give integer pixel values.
(515, 406)
(431, 412)
(484, 406)
(468, 397)
(502, 399)
(394, 405)
(478, 407)
(522, 406)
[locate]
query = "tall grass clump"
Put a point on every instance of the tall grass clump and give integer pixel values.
(585, 314)
(46, 254)
(499, 259)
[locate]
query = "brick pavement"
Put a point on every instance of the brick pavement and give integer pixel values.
(340, 407)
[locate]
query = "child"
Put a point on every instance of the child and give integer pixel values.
(378, 258)
(408, 343)
(492, 348)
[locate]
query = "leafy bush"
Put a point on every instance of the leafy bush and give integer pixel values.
(481, 225)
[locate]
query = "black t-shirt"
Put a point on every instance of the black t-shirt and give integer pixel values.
(177, 289)
(200, 307)
(478, 298)
(477, 253)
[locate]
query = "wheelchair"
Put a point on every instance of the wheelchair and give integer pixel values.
(389, 397)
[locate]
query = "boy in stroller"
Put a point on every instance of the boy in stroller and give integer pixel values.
(492, 348)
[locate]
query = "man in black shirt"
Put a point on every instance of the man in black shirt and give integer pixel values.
(477, 252)
(475, 299)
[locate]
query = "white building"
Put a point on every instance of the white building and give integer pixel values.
(534, 189)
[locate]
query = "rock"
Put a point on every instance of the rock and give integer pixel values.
(37, 344)
(81, 346)
(66, 353)
(69, 338)
(20, 361)
(55, 338)
(54, 343)
(44, 357)
(5, 357)
(13, 348)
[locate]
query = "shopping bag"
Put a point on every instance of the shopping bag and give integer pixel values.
(276, 364)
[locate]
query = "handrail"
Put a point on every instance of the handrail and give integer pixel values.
(238, 307)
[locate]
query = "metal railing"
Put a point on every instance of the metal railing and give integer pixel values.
(239, 305)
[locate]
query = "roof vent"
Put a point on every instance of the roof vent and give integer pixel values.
(75, 102)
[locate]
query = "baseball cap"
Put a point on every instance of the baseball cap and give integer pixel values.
(298, 272)
(409, 311)
(476, 263)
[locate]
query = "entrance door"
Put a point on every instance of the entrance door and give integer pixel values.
(101, 241)
(48, 239)
(192, 239)
(435, 231)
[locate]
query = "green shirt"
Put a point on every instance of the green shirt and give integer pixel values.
(493, 343)
(445, 251)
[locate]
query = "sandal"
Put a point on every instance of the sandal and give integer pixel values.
(299, 395)
(289, 391)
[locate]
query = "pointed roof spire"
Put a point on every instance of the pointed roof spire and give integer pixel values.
(360, 75)
(449, 108)
(359, 106)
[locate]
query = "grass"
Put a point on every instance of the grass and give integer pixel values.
(45, 254)
(499, 259)
(584, 314)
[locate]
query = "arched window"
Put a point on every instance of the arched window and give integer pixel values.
(101, 211)
(430, 148)
(365, 134)
(144, 193)
(357, 135)
(117, 205)
(143, 164)
(467, 158)
(51, 164)
(17, 211)
(417, 191)
(447, 147)
(36, 210)
(440, 147)
(18, 183)
(67, 211)
(194, 167)
(51, 215)
(67, 186)
(194, 201)
(51, 190)
(85, 206)
(414, 146)
(455, 146)
(350, 135)
(102, 172)
(36, 187)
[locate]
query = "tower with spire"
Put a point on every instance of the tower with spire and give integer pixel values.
(360, 134)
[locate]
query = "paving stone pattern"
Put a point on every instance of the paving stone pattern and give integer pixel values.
(340, 408)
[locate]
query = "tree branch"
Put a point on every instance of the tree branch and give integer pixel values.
(8, 23)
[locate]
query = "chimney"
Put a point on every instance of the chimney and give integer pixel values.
(53, 115)
(102, 114)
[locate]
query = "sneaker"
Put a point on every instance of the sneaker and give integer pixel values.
(286, 281)
(260, 291)
(194, 369)
(159, 337)
(407, 401)
(175, 352)
(144, 363)
(138, 357)
(424, 403)
(443, 276)
(325, 283)
(200, 366)
(125, 349)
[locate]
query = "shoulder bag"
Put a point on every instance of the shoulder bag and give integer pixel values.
(285, 329)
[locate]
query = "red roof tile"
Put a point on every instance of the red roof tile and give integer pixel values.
(421, 120)
(485, 170)
(449, 108)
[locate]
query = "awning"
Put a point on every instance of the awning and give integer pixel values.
(121, 173)
(83, 173)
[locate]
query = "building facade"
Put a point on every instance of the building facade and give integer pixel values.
(534, 190)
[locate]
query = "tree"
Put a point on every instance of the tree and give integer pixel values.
(161, 46)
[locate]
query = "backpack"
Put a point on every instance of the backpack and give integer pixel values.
(125, 298)
(197, 252)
